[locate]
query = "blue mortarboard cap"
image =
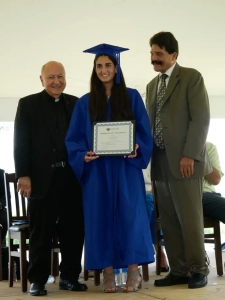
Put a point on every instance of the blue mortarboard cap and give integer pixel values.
(109, 50)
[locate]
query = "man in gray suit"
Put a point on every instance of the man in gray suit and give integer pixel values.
(178, 108)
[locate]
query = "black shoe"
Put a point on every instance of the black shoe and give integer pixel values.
(72, 285)
(171, 279)
(197, 281)
(164, 269)
(37, 289)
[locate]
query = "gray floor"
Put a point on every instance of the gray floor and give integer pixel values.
(214, 290)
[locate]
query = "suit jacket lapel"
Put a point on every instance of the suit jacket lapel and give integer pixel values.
(153, 97)
(172, 83)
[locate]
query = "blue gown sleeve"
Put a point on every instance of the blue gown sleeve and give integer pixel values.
(143, 131)
(76, 139)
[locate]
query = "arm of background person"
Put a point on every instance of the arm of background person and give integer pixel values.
(215, 176)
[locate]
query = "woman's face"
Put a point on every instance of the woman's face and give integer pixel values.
(105, 69)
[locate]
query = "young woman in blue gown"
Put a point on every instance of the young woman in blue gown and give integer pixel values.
(117, 232)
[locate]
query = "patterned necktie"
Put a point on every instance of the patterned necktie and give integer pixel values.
(158, 134)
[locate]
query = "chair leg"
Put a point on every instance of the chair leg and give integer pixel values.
(218, 251)
(23, 262)
(158, 259)
(55, 264)
(11, 261)
(85, 275)
(97, 277)
(145, 274)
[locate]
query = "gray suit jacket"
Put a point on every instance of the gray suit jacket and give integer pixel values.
(185, 118)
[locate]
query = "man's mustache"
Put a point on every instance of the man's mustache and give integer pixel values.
(157, 62)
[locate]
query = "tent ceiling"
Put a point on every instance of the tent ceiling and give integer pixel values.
(34, 32)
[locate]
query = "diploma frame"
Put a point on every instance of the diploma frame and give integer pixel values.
(114, 138)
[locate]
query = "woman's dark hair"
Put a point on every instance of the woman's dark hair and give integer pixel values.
(120, 102)
(166, 40)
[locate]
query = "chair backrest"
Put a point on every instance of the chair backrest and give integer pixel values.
(16, 204)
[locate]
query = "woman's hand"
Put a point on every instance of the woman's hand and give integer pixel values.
(90, 155)
(133, 155)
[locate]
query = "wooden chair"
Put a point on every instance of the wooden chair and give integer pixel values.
(96, 276)
(213, 238)
(17, 229)
(18, 232)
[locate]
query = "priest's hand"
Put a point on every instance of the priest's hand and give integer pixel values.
(24, 186)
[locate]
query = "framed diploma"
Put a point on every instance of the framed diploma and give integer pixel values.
(114, 138)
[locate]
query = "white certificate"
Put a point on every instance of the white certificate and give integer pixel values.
(114, 138)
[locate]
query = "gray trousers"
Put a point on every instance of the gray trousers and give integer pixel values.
(180, 208)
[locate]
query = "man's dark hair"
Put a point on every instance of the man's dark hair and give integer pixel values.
(166, 40)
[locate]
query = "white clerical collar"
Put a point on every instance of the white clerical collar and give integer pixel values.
(57, 99)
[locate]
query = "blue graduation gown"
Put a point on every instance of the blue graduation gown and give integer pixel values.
(117, 229)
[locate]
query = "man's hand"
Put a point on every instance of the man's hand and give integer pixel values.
(186, 166)
(90, 155)
(24, 186)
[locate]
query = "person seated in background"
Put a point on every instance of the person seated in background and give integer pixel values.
(213, 202)
(150, 209)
